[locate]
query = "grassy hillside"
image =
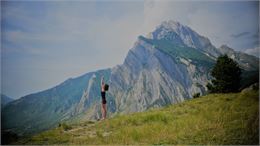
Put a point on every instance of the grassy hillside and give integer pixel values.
(212, 119)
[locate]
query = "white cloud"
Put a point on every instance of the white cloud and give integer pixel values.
(68, 41)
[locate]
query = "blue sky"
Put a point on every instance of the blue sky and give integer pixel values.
(46, 42)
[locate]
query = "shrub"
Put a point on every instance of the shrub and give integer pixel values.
(64, 126)
(196, 95)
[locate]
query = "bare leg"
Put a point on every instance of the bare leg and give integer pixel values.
(105, 111)
(102, 111)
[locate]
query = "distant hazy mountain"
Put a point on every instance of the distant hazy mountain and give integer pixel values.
(246, 62)
(5, 100)
(167, 67)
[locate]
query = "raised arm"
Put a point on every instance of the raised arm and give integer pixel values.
(102, 80)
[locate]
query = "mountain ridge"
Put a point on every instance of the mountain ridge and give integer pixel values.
(5, 100)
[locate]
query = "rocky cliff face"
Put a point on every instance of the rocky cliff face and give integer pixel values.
(151, 78)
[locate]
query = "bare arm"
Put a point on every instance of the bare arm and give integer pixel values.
(102, 80)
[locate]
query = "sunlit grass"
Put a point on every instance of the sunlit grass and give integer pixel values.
(212, 119)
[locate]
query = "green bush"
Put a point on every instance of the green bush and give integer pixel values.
(196, 95)
(64, 126)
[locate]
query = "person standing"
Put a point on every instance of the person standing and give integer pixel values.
(104, 101)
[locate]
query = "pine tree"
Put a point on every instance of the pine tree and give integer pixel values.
(226, 73)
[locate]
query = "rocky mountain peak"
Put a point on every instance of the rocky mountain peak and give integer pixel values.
(225, 46)
(225, 49)
(183, 35)
(171, 24)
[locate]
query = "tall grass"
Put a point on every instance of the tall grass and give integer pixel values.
(212, 119)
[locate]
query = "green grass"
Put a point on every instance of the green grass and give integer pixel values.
(212, 119)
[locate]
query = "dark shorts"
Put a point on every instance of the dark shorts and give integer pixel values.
(103, 95)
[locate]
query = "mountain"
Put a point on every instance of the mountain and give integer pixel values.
(183, 35)
(246, 62)
(156, 72)
(169, 66)
(5, 100)
(43, 110)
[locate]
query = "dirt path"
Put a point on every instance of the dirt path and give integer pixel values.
(87, 130)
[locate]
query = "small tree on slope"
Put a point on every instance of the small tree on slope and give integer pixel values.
(226, 73)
